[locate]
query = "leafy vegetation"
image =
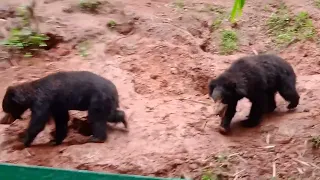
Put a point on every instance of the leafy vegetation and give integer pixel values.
(210, 176)
(90, 5)
(24, 38)
(237, 9)
(111, 24)
(83, 48)
(229, 41)
(286, 28)
(317, 3)
(179, 4)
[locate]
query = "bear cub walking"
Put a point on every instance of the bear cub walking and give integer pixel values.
(56, 94)
(257, 78)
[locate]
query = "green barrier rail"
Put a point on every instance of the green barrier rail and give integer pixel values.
(23, 172)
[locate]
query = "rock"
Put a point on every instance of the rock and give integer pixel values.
(154, 76)
(195, 32)
(124, 28)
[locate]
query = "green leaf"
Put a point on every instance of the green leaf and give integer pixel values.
(237, 9)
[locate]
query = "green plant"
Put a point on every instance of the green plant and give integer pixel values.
(24, 14)
(286, 28)
(315, 141)
(83, 48)
(237, 9)
(216, 24)
(25, 40)
(111, 24)
(317, 3)
(90, 5)
(229, 41)
(210, 176)
(179, 4)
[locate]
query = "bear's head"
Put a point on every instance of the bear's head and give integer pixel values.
(13, 103)
(224, 90)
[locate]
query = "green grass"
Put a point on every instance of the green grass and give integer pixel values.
(111, 24)
(179, 4)
(216, 24)
(317, 3)
(25, 40)
(90, 5)
(286, 28)
(229, 41)
(83, 48)
(210, 176)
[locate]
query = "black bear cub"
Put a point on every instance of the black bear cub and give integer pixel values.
(56, 94)
(256, 78)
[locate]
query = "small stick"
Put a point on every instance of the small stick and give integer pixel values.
(29, 154)
(274, 172)
(240, 157)
(205, 124)
(302, 162)
(254, 51)
(268, 139)
(236, 175)
(195, 101)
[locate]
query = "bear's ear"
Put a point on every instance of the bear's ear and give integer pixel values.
(13, 94)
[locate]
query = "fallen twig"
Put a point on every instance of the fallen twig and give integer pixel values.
(274, 170)
(302, 162)
(195, 101)
(268, 139)
(254, 51)
(236, 175)
(205, 124)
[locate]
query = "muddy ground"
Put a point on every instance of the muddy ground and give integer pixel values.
(156, 60)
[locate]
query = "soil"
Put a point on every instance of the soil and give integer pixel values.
(161, 57)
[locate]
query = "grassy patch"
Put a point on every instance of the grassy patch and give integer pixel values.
(90, 5)
(210, 176)
(179, 4)
(25, 39)
(315, 141)
(216, 23)
(111, 24)
(317, 3)
(229, 41)
(286, 28)
(83, 48)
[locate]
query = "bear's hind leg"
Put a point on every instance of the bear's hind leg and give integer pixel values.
(289, 93)
(98, 121)
(61, 118)
(271, 105)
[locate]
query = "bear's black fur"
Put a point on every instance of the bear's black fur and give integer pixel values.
(257, 78)
(57, 93)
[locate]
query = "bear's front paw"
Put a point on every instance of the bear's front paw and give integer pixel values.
(223, 130)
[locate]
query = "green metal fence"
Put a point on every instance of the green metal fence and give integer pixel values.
(22, 172)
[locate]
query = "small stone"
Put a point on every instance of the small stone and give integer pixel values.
(154, 76)
(174, 70)
(124, 28)
(193, 166)
(63, 52)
